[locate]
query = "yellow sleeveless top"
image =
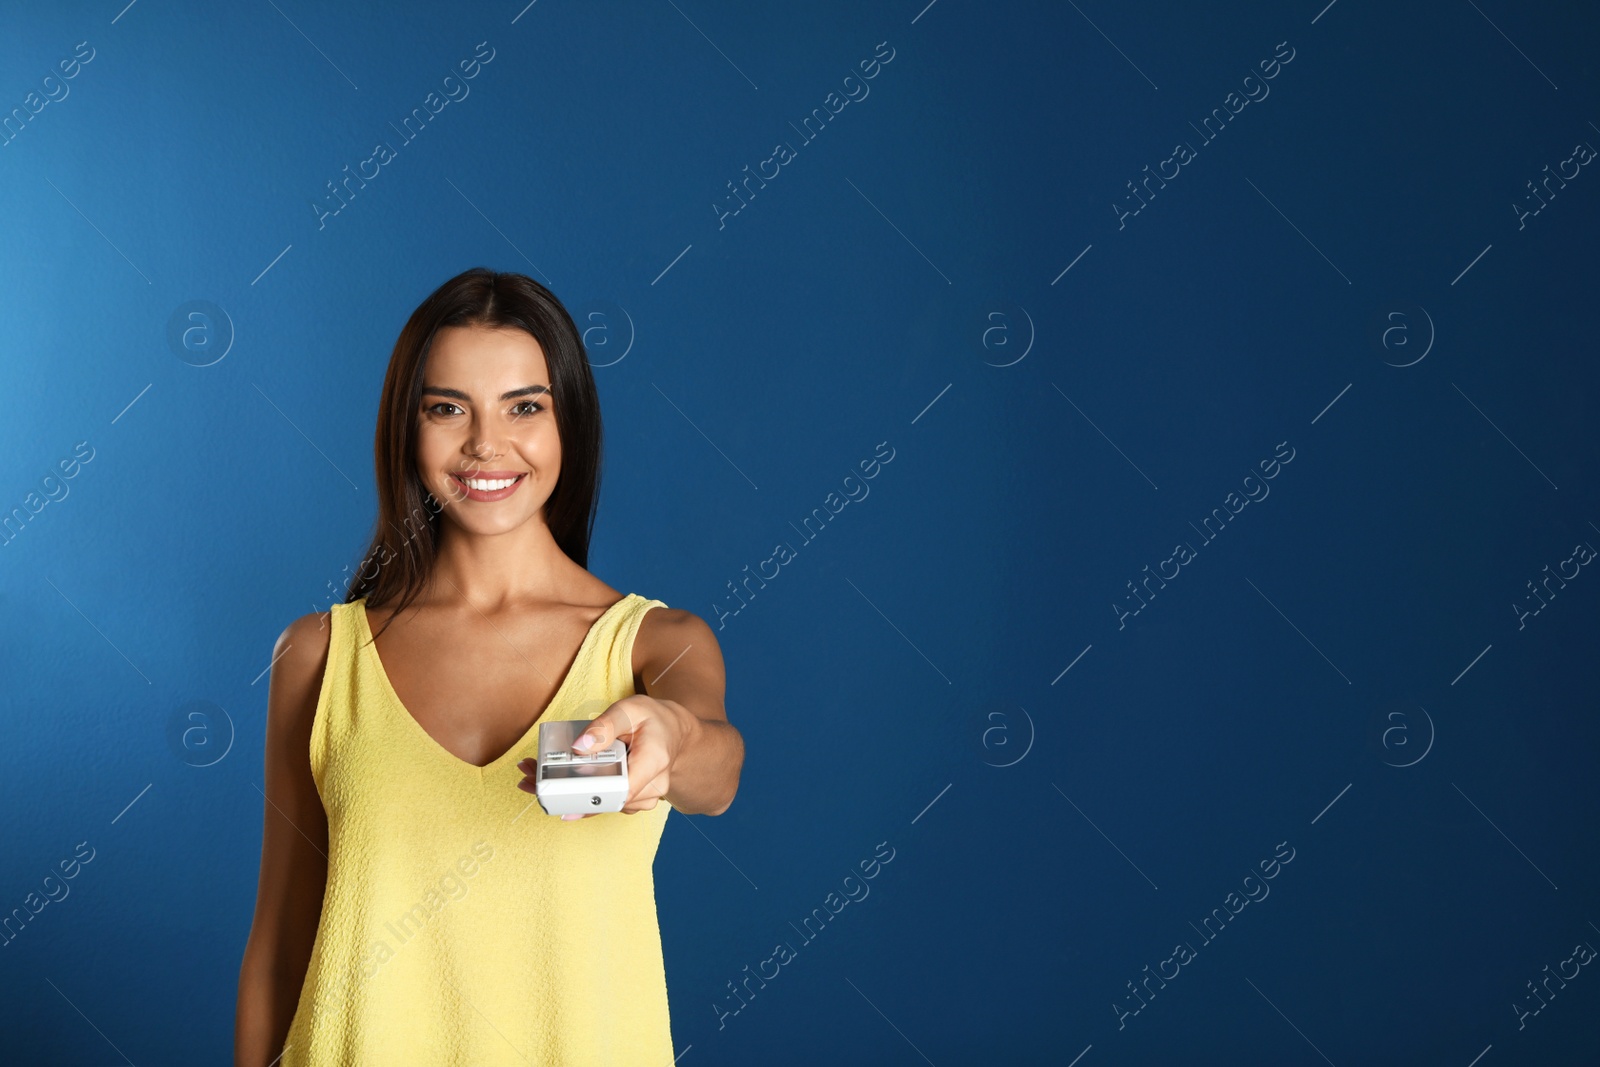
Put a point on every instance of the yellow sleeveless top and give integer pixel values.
(461, 924)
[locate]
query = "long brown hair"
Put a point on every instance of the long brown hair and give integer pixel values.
(405, 537)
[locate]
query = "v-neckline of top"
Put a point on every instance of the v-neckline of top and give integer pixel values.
(368, 643)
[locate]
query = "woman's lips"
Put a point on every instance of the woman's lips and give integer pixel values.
(489, 495)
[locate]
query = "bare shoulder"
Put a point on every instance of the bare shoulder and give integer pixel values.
(304, 642)
(674, 629)
(680, 642)
(298, 660)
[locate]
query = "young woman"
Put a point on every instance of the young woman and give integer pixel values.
(416, 904)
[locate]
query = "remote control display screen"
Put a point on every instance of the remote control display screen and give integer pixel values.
(583, 770)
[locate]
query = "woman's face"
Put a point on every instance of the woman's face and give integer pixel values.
(486, 417)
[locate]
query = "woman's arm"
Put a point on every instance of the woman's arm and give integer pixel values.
(294, 847)
(681, 666)
(680, 743)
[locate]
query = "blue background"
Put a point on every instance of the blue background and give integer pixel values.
(1068, 791)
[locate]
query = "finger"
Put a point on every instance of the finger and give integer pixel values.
(599, 733)
(609, 725)
(648, 795)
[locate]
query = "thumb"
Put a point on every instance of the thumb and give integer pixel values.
(596, 736)
(605, 728)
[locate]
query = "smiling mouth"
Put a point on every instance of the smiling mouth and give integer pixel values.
(488, 486)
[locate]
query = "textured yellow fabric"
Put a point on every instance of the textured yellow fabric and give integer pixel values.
(461, 924)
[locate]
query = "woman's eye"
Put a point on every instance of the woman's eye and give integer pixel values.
(528, 407)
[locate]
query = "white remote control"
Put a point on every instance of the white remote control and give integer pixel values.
(574, 783)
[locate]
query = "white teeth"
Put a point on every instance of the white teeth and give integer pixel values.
(487, 486)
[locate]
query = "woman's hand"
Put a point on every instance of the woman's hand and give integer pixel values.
(654, 731)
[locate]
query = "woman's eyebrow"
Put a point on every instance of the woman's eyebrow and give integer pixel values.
(457, 394)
